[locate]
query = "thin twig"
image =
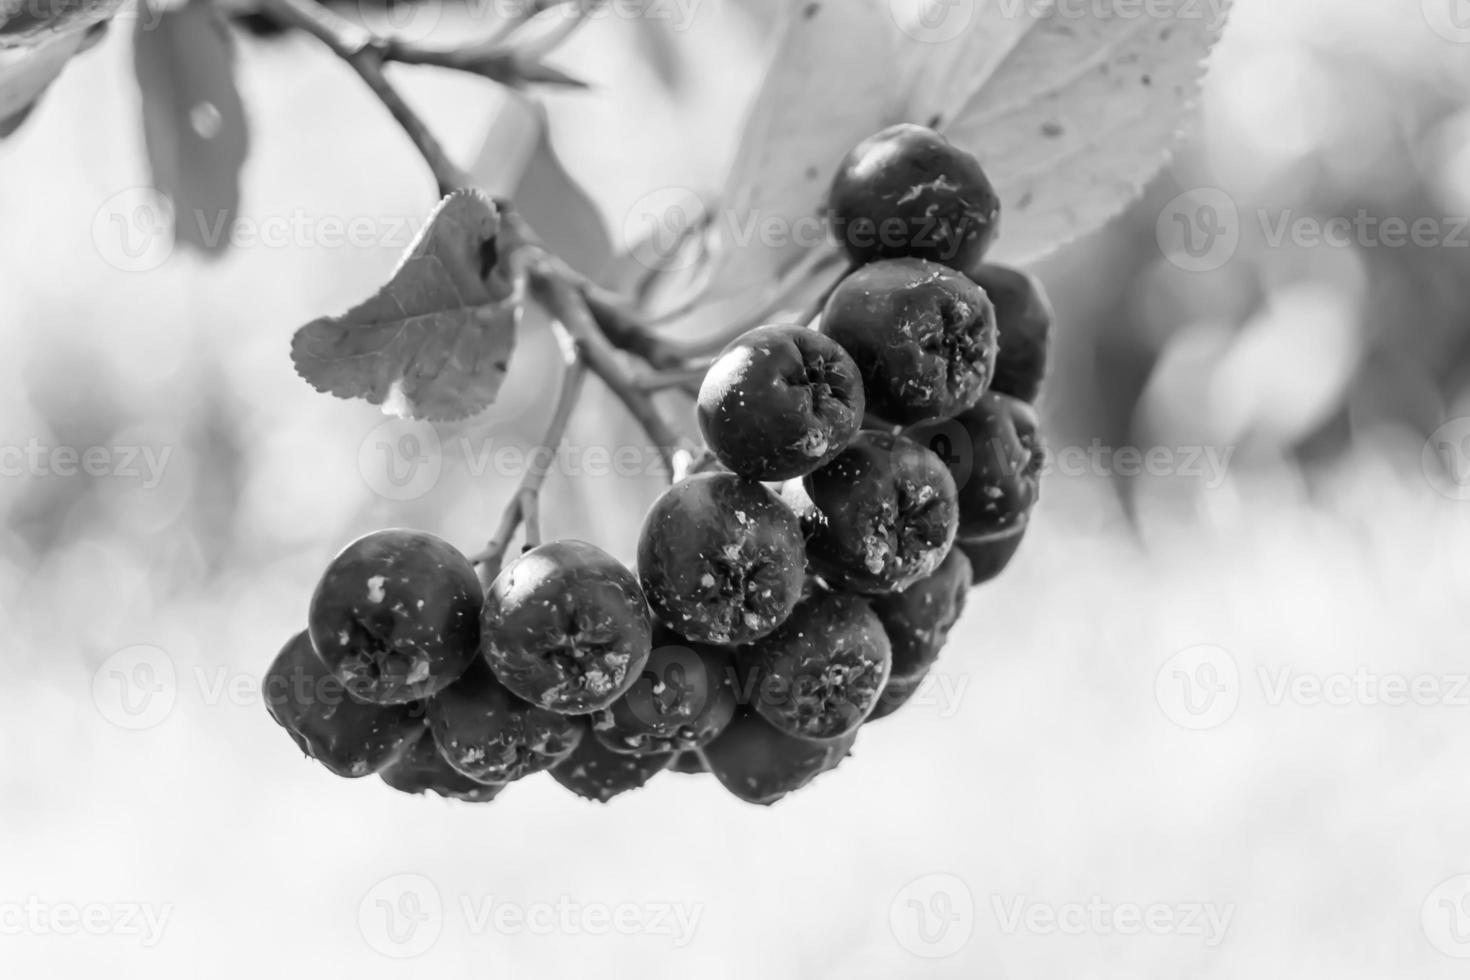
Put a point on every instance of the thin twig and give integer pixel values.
(687, 378)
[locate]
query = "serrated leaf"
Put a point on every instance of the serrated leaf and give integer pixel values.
(1070, 107)
(434, 342)
(25, 23)
(26, 74)
(193, 119)
(826, 89)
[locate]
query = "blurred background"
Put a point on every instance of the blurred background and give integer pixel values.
(1210, 723)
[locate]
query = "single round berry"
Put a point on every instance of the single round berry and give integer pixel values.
(396, 616)
(989, 554)
(721, 559)
(760, 763)
(819, 675)
(923, 337)
(684, 697)
(908, 191)
(995, 454)
(349, 737)
(566, 627)
(1023, 319)
(595, 772)
(899, 692)
(918, 619)
(780, 402)
(881, 516)
(491, 736)
(423, 770)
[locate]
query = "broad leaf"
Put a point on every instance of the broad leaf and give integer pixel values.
(193, 119)
(434, 342)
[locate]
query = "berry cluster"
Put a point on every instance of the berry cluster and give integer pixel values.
(867, 474)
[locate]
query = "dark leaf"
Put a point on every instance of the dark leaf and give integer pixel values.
(193, 119)
(434, 342)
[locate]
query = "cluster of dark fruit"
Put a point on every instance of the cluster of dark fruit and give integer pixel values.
(867, 475)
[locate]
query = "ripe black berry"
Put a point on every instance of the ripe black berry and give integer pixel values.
(881, 516)
(1024, 318)
(923, 337)
(396, 616)
(566, 627)
(684, 697)
(760, 764)
(348, 737)
(780, 402)
(595, 772)
(721, 559)
(423, 770)
(995, 454)
(918, 619)
(491, 736)
(908, 191)
(989, 554)
(819, 675)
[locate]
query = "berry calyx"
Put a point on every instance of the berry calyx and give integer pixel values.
(908, 191)
(595, 772)
(923, 337)
(349, 737)
(995, 453)
(423, 770)
(819, 675)
(1024, 319)
(486, 733)
(881, 516)
(918, 619)
(396, 616)
(759, 763)
(721, 559)
(779, 402)
(683, 698)
(566, 627)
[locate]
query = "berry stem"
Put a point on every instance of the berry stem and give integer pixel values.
(686, 378)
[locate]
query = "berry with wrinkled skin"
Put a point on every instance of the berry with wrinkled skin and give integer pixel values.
(995, 453)
(423, 770)
(779, 402)
(350, 738)
(923, 337)
(594, 772)
(908, 191)
(1024, 319)
(491, 736)
(760, 764)
(899, 692)
(990, 554)
(396, 616)
(918, 619)
(882, 515)
(566, 627)
(684, 697)
(819, 675)
(721, 559)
